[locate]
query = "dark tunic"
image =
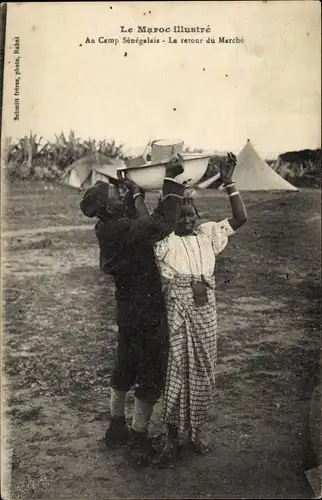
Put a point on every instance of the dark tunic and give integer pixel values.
(126, 253)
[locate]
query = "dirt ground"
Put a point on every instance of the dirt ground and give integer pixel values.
(60, 340)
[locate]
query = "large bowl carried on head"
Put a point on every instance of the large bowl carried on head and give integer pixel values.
(150, 175)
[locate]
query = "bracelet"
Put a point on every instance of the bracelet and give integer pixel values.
(233, 194)
(136, 195)
(231, 184)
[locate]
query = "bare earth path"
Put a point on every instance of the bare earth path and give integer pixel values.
(60, 340)
(44, 230)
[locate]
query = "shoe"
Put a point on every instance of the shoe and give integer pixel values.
(117, 433)
(199, 446)
(168, 455)
(169, 448)
(138, 449)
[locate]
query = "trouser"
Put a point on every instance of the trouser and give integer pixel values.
(141, 360)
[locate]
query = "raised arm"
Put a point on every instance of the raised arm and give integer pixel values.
(239, 213)
(146, 227)
(173, 169)
(161, 222)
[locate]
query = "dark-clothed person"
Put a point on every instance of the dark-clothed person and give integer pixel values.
(126, 233)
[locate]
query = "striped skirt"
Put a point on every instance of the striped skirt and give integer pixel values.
(190, 382)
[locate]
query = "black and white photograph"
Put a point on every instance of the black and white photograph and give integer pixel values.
(161, 250)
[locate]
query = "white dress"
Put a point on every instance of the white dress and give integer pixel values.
(193, 254)
(190, 381)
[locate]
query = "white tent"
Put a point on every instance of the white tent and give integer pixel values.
(89, 169)
(252, 173)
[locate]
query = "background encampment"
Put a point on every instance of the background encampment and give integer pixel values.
(33, 157)
(300, 168)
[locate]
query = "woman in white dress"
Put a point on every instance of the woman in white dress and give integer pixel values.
(187, 260)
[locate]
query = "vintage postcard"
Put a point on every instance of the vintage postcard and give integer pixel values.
(161, 242)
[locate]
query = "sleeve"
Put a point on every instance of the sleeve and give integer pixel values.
(218, 232)
(161, 223)
(141, 207)
(161, 248)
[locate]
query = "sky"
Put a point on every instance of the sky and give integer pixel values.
(210, 95)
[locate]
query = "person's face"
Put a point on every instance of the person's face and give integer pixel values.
(114, 196)
(187, 220)
(130, 209)
(115, 202)
(120, 200)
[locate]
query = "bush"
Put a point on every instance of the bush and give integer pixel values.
(31, 158)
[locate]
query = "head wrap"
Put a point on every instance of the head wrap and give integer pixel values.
(189, 197)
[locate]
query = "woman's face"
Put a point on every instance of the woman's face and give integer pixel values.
(187, 220)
